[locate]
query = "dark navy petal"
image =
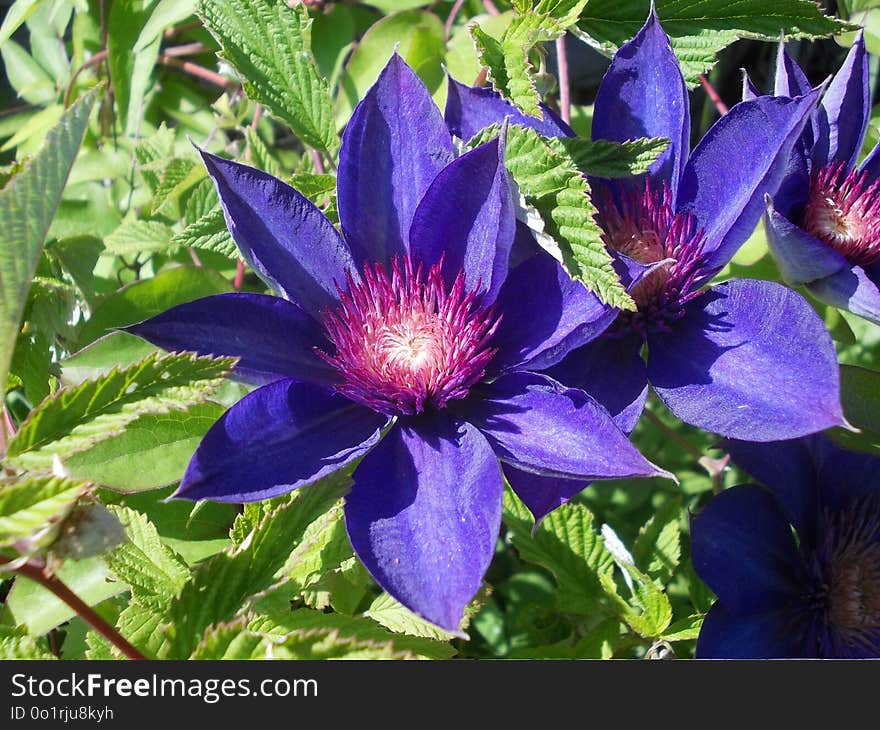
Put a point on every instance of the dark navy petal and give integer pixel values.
(788, 469)
(643, 94)
(272, 337)
(801, 257)
(281, 234)
(765, 635)
(842, 475)
(742, 548)
(855, 289)
(468, 218)
(740, 159)
(538, 425)
(751, 360)
(844, 110)
(612, 371)
(276, 439)
(392, 149)
(470, 109)
(540, 494)
(424, 515)
(545, 315)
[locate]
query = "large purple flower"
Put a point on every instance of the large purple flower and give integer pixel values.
(816, 596)
(823, 226)
(737, 358)
(409, 342)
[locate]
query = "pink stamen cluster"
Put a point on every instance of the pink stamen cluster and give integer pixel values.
(843, 210)
(405, 342)
(644, 227)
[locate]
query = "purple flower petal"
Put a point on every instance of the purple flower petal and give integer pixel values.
(750, 91)
(643, 94)
(801, 257)
(545, 315)
(273, 338)
(424, 515)
(281, 234)
(392, 149)
(871, 163)
(844, 110)
(470, 109)
(538, 425)
(467, 217)
(540, 494)
(791, 82)
(750, 360)
(276, 439)
(752, 636)
(739, 161)
(855, 289)
(612, 371)
(742, 547)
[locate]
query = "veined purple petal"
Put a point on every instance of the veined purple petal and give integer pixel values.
(273, 338)
(276, 439)
(844, 110)
(643, 94)
(751, 636)
(741, 159)
(392, 149)
(281, 234)
(545, 315)
(750, 360)
(538, 425)
(612, 371)
(424, 515)
(467, 218)
(791, 81)
(470, 109)
(855, 289)
(801, 257)
(743, 548)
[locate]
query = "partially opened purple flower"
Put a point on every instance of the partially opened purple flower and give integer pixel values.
(815, 596)
(406, 342)
(746, 359)
(823, 226)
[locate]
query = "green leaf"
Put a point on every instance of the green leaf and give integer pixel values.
(77, 418)
(162, 445)
(316, 188)
(860, 395)
(178, 176)
(27, 206)
(260, 156)
(31, 509)
(148, 297)
(27, 77)
(118, 349)
(701, 28)
(222, 586)
(136, 236)
(602, 158)
(210, 234)
(16, 644)
(552, 183)
(269, 44)
(19, 12)
(658, 547)
(685, 630)
(566, 544)
(651, 613)
(396, 617)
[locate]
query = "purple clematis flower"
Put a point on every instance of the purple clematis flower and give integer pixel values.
(735, 358)
(408, 342)
(817, 596)
(823, 226)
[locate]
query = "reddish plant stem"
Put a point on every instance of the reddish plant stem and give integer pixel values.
(200, 72)
(94, 60)
(490, 7)
(481, 77)
(564, 88)
(185, 49)
(447, 27)
(317, 161)
(713, 96)
(195, 258)
(37, 573)
(239, 275)
(182, 28)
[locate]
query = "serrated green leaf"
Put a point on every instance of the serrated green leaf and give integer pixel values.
(315, 187)
(269, 44)
(27, 207)
(685, 630)
(151, 152)
(208, 233)
(16, 644)
(657, 549)
(260, 156)
(76, 418)
(701, 28)
(222, 586)
(651, 613)
(601, 158)
(31, 508)
(551, 182)
(396, 617)
(134, 236)
(178, 176)
(566, 544)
